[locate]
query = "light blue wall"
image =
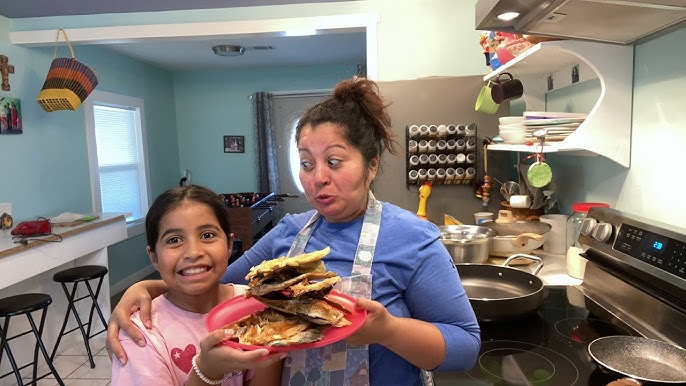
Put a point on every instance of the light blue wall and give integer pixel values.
(211, 104)
(45, 169)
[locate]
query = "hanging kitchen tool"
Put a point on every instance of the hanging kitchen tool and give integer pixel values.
(540, 174)
(509, 188)
(486, 186)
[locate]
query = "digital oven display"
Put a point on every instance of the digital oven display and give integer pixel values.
(656, 244)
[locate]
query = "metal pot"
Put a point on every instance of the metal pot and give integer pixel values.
(499, 293)
(640, 359)
(517, 237)
(467, 243)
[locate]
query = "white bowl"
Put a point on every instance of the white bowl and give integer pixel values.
(511, 120)
(513, 136)
(513, 127)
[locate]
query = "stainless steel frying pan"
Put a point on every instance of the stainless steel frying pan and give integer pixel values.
(640, 359)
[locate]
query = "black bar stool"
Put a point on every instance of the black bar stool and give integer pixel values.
(25, 304)
(77, 275)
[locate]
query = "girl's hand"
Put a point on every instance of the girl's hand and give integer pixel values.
(216, 359)
(377, 326)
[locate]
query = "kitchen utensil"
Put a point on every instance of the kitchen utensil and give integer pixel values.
(640, 359)
(450, 220)
(505, 90)
(540, 174)
(508, 189)
(523, 214)
(556, 240)
(484, 102)
(485, 189)
(467, 243)
(516, 237)
(424, 193)
(500, 293)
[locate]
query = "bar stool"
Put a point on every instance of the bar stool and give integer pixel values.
(75, 276)
(25, 304)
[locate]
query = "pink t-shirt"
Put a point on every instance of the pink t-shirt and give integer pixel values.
(171, 344)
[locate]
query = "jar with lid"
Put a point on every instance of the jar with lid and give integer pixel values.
(576, 264)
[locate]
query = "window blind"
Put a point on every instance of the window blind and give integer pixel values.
(118, 160)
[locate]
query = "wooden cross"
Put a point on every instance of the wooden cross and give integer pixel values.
(5, 70)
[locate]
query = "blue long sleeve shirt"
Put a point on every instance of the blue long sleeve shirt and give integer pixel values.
(413, 276)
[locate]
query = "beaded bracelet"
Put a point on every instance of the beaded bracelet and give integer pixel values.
(204, 377)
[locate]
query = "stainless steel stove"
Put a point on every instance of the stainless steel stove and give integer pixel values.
(634, 284)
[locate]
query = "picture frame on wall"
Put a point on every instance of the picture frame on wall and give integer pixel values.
(10, 116)
(234, 144)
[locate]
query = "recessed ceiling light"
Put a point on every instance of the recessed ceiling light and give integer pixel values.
(228, 50)
(507, 16)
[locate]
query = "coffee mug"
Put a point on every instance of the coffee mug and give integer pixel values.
(484, 102)
(507, 89)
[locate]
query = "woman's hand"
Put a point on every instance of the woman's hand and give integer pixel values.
(418, 342)
(216, 359)
(136, 298)
(377, 326)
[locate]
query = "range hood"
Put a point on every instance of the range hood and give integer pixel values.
(610, 21)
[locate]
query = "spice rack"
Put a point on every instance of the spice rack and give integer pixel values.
(443, 154)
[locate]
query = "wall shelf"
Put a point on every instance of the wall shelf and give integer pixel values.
(607, 129)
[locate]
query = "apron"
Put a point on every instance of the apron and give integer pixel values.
(339, 364)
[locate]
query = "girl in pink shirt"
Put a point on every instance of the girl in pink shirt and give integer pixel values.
(189, 244)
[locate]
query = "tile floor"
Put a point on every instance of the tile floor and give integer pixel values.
(74, 369)
(72, 363)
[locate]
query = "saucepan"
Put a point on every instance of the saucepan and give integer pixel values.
(640, 359)
(467, 243)
(500, 292)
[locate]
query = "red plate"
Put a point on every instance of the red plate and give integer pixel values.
(240, 306)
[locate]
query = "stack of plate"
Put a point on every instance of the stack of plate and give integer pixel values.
(559, 124)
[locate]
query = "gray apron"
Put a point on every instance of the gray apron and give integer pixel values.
(339, 364)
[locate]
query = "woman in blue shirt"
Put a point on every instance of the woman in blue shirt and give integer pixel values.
(419, 317)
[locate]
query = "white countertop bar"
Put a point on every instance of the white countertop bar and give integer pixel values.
(29, 269)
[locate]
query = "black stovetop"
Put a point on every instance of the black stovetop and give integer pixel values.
(545, 348)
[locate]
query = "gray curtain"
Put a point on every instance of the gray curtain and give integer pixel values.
(267, 170)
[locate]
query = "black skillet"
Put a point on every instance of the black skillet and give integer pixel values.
(499, 292)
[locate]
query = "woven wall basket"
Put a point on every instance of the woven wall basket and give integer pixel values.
(68, 83)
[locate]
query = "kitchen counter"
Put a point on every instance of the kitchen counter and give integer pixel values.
(19, 262)
(29, 268)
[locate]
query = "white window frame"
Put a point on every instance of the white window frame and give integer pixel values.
(103, 98)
